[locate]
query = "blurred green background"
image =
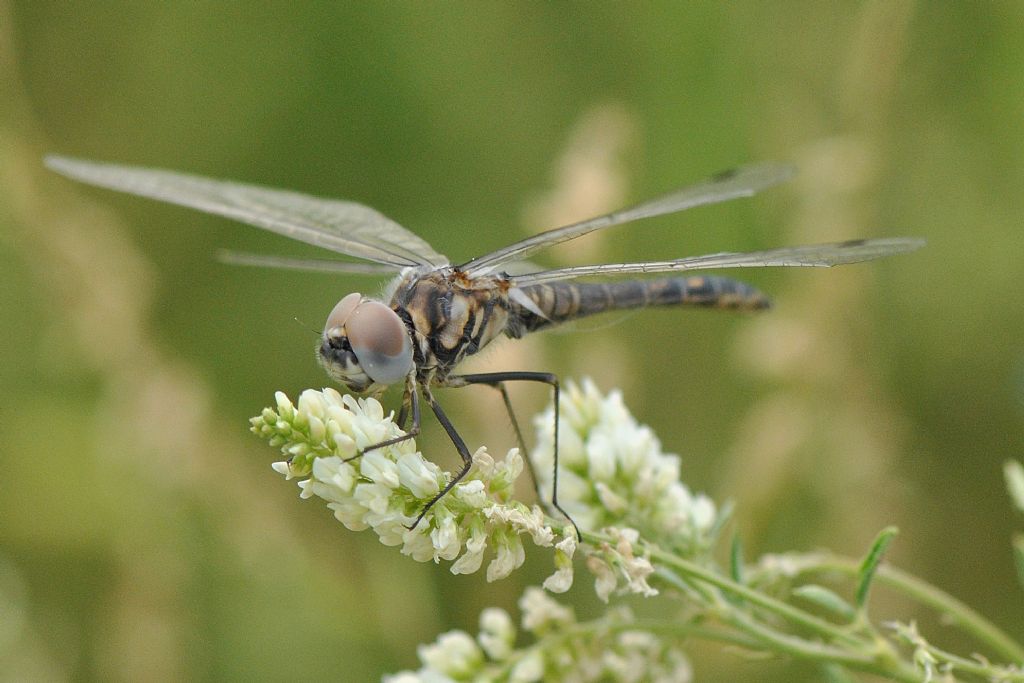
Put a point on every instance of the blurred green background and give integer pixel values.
(143, 535)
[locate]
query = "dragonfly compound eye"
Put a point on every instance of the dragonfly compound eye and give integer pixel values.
(380, 341)
(340, 313)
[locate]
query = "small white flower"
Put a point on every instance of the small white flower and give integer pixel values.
(403, 677)
(391, 528)
(350, 513)
(313, 403)
(473, 494)
(541, 613)
(528, 669)
(475, 546)
(510, 555)
(382, 469)
(454, 654)
(415, 474)
(612, 472)
(604, 577)
(523, 519)
(336, 473)
(598, 650)
(610, 564)
(561, 580)
(497, 633)
(445, 538)
(386, 488)
(373, 496)
(418, 545)
(610, 499)
(284, 406)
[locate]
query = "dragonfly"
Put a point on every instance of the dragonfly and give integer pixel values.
(434, 313)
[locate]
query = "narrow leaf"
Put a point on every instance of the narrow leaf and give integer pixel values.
(833, 673)
(870, 564)
(736, 560)
(826, 599)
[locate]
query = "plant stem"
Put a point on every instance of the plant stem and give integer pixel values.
(862, 649)
(786, 611)
(956, 611)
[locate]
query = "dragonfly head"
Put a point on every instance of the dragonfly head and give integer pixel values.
(365, 343)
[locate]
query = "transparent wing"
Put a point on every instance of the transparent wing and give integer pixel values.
(739, 182)
(340, 226)
(309, 265)
(820, 255)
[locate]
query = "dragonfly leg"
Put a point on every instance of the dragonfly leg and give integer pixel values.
(403, 414)
(496, 379)
(412, 399)
(519, 436)
(460, 446)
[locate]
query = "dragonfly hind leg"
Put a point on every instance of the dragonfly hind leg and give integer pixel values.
(497, 380)
(519, 437)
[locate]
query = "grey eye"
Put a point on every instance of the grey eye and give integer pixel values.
(379, 340)
(340, 313)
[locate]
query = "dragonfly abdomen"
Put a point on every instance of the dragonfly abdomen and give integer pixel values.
(564, 301)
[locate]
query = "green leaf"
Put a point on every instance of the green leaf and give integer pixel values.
(870, 564)
(736, 560)
(833, 673)
(827, 599)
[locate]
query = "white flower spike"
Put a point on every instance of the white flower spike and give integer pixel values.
(386, 488)
(561, 649)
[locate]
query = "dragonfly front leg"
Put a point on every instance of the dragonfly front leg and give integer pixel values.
(460, 446)
(403, 414)
(411, 399)
(497, 380)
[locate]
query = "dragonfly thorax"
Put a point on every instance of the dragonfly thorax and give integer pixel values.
(364, 344)
(451, 316)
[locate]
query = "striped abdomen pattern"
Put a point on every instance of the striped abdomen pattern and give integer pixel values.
(563, 301)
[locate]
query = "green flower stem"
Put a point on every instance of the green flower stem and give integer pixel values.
(886, 663)
(984, 670)
(688, 630)
(760, 638)
(957, 612)
(786, 611)
(763, 638)
(873, 655)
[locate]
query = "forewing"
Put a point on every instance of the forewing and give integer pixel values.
(819, 255)
(739, 182)
(309, 265)
(343, 227)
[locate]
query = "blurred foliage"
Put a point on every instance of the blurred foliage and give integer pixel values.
(143, 535)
